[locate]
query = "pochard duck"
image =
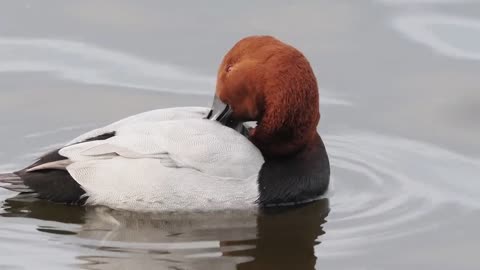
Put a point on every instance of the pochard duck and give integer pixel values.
(194, 158)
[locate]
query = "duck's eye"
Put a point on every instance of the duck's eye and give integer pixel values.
(228, 68)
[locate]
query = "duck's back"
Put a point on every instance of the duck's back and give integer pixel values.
(170, 159)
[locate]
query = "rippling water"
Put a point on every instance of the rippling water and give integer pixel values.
(399, 100)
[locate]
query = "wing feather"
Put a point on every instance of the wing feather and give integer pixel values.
(174, 164)
(168, 159)
(150, 116)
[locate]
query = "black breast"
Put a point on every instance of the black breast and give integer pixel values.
(294, 180)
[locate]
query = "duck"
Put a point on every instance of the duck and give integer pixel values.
(201, 158)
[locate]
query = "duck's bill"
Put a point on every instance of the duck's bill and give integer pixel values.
(222, 113)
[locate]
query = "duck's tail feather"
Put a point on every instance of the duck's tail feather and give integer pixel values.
(13, 182)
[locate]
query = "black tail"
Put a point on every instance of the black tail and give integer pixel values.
(48, 183)
(13, 182)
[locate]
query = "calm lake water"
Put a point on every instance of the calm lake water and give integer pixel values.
(400, 103)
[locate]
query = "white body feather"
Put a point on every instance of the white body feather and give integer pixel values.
(166, 160)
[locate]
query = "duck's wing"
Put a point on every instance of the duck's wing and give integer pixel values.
(168, 165)
(150, 160)
(158, 115)
(48, 178)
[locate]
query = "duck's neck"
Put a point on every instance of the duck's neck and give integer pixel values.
(289, 120)
(284, 141)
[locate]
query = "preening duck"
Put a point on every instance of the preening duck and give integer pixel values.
(191, 158)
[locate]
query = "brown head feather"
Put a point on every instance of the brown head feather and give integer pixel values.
(266, 80)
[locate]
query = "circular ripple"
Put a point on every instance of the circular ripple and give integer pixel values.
(386, 187)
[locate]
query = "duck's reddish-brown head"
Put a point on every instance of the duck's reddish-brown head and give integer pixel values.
(265, 80)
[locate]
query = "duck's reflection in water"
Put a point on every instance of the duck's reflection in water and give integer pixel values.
(277, 238)
(285, 238)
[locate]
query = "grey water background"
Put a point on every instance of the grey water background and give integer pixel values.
(400, 96)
